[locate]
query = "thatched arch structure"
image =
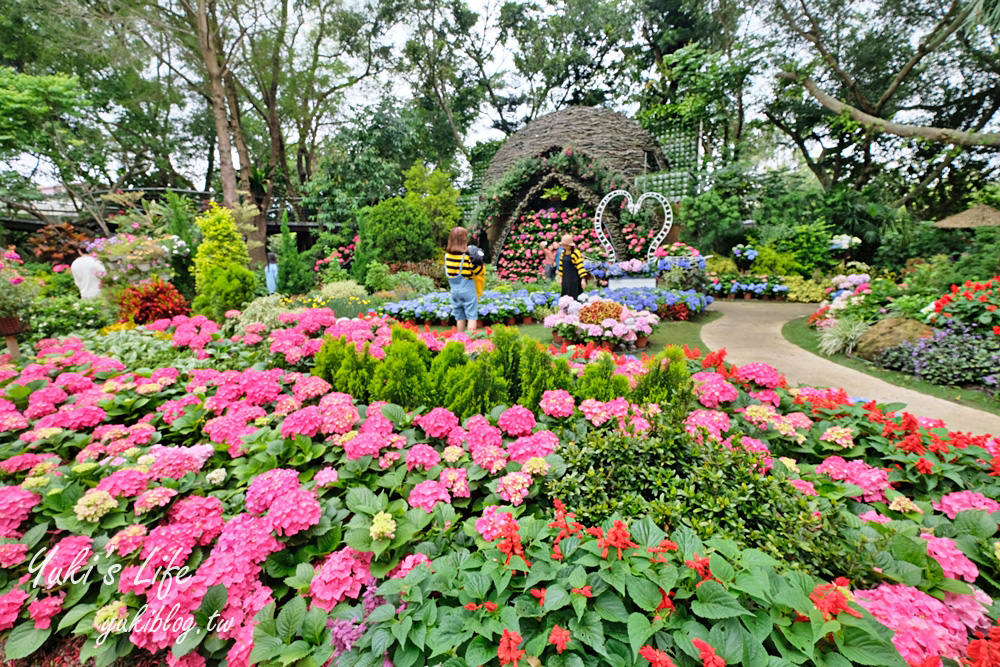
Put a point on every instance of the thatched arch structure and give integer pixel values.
(622, 148)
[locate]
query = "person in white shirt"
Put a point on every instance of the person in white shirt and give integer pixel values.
(87, 272)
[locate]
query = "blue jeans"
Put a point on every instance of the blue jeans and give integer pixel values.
(464, 304)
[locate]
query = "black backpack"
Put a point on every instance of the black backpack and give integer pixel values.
(476, 255)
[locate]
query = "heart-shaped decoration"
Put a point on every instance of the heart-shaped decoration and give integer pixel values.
(633, 207)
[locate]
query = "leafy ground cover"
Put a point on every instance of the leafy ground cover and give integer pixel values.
(798, 331)
(667, 510)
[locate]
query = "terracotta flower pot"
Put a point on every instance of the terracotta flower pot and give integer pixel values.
(747, 297)
(10, 326)
(730, 296)
(556, 338)
(641, 341)
(443, 323)
(528, 319)
(479, 324)
(511, 321)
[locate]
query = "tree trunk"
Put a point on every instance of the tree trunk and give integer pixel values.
(213, 71)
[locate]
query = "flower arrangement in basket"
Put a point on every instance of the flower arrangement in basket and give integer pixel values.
(600, 321)
(16, 293)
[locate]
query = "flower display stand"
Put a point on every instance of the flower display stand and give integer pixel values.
(618, 283)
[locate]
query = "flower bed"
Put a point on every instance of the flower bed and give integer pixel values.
(752, 287)
(668, 304)
(600, 321)
(315, 523)
(494, 306)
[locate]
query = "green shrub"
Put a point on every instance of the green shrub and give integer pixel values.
(343, 289)
(356, 372)
(599, 381)
(434, 193)
(771, 261)
(58, 316)
(402, 377)
(803, 290)
(227, 289)
(675, 481)
(667, 384)
(394, 230)
(377, 277)
(477, 387)
(408, 280)
(451, 356)
(222, 246)
(295, 276)
(328, 359)
(712, 221)
(538, 373)
(263, 310)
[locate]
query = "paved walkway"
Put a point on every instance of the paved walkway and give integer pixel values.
(751, 331)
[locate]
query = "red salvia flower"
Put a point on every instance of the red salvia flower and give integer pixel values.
(618, 538)
(559, 637)
(984, 651)
(702, 567)
(709, 658)
(656, 657)
(924, 466)
(472, 606)
(510, 542)
(508, 652)
(540, 594)
(585, 591)
(830, 599)
(490, 606)
(666, 604)
(662, 548)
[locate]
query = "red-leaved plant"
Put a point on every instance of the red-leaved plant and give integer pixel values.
(151, 300)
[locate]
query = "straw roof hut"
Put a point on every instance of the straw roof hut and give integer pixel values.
(979, 215)
(620, 143)
(617, 142)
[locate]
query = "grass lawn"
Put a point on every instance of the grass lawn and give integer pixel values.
(798, 333)
(668, 333)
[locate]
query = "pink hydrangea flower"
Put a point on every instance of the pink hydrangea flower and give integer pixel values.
(456, 481)
(268, 487)
(712, 389)
(339, 577)
(125, 483)
(954, 563)
(557, 403)
(155, 497)
(924, 627)
(304, 421)
(761, 374)
(540, 445)
(872, 515)
(408, 564)
(491, 523)
(364, 444)
(42, 609)
(10, 606)
(517, 420)
(294, 512)
(127, 540)
(803, 486)
(595, 411)
(12, 554)
(203, 514)
(873, 481)
(958, 501)
(437, 423)
(310, 386)
(15, 506)
(423, 456)
(426, 495)
(513, 487)
(326, 477)
(715, 422)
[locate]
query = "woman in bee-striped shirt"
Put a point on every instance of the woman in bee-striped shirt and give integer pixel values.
(459, 269)
(569, 268)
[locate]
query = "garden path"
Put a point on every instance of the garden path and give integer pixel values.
(751, 331)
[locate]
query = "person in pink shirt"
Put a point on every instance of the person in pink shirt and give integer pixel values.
(549, 260)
